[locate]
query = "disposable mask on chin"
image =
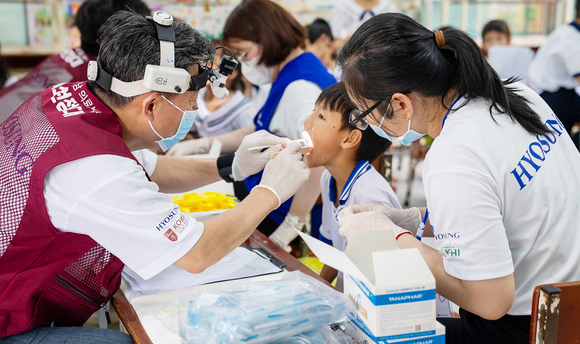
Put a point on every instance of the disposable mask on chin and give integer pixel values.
(410, 136)
(257, 74)
(186, 122)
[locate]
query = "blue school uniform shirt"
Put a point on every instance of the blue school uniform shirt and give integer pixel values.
(364, 185)
(305, 67)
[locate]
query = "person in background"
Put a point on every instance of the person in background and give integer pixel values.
(320, 42)
(5, 78)
(349, 179)
(267, 40)
(350, 14)
(71, 64)
(555, 72)
(75, 37)
(220, 116)
(495, 32)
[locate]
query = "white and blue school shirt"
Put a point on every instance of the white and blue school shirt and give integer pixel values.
(503, 201)
(364, 186)
(557, 62)
(348, 16)
(238, 112)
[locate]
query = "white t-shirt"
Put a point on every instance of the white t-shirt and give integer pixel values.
(109, 198)
(364, 186)
(348, 16)
(557, 62)
(503, 201)
(296, 104)
(236, 113)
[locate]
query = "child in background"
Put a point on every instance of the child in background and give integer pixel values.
(218, 116)
(320, 42)
(495, 32)
(349, 179)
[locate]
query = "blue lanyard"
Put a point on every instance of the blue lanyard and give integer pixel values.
(447, 114)
(422, 225)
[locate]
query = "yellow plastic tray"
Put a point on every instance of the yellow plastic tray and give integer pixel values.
(195, 202)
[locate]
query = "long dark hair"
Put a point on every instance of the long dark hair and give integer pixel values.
(392, 53)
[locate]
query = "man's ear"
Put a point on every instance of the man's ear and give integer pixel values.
(352, 139)
(149, 106)
(402, 104)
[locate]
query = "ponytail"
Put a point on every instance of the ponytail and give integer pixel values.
(419, 61)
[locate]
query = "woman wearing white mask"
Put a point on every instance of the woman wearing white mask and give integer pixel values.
(267, 41)
(501, 177)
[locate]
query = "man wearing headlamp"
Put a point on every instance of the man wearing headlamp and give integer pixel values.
(80, 197)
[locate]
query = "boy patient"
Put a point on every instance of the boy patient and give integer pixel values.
(349, 179)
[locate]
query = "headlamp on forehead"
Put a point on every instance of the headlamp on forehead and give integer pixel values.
(165, 77)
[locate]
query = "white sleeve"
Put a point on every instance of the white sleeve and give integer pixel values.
(147, 159)
(118, 207)
(296, 104)
(571, 59)
(465, 213)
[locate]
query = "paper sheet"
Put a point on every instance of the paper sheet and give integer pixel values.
(240, 263)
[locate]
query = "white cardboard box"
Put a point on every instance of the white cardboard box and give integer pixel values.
(393, 289)
(357, 333)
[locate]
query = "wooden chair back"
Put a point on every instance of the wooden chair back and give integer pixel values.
(556, 314)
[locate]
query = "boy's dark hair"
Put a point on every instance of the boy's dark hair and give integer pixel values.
(318, 28)
(371, 145)
(94, 13)
(496, 25)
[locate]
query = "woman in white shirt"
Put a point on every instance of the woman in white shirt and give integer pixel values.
(501, 178)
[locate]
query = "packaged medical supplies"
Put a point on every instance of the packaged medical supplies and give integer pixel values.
(257, 312)
(194, 202)
(393, 289)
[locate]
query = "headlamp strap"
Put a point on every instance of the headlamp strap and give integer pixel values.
(166, 35)
(104, 78)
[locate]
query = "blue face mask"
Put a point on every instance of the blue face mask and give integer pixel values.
(184, 127)
(410, 136)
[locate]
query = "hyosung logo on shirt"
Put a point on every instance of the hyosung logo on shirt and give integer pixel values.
(173, 224)
(537, 152)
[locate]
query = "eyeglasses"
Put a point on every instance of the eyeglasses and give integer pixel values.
(242, 55)
(357, 116)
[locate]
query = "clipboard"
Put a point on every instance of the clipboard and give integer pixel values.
(239, 264)
(260, 252)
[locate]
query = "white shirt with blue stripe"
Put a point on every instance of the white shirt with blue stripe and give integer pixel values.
(364, 185)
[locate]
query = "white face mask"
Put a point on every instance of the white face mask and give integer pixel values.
(257, 74)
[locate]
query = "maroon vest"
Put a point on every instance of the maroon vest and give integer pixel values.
(68, 66)
(47, 275)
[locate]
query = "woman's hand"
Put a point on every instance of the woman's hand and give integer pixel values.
(189, 147)
(408, 219)
(366, 221)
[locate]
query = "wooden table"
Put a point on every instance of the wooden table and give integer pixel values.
(131, 321)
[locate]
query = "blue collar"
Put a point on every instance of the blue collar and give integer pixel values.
(452, 105)
(576, 25)
(361, 168)
(365, 12)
